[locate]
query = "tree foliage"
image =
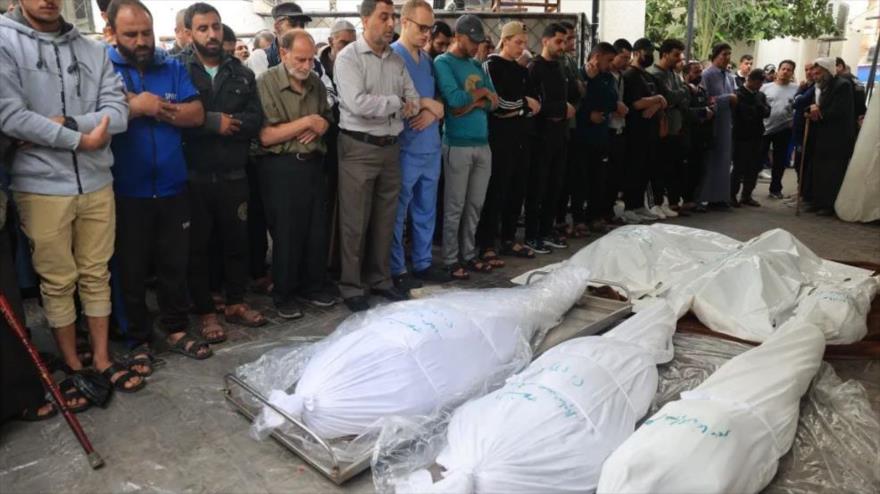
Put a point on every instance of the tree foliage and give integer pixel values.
(737, 20)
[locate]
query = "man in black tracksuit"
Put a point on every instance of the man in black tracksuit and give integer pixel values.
(216, 155)
(547, 170)
(748, 131)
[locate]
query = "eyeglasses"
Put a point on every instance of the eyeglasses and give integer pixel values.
(423, 28)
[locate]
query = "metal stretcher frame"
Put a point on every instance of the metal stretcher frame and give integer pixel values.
(339, 471)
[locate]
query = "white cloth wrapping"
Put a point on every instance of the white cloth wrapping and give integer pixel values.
(743, 289)
(412, 357)
(551, 426)
(728, 433)
(859, 196)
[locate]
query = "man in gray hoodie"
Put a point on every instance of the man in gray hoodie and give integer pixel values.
(61, 100)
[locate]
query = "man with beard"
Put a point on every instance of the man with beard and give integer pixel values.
(748, 143)
(438, 42)
(832, 135)
(777, 134)
(181, 36)
(510, 127)
(547, 173)
(617, 163)
(297, 115)
(469, 96)
(720, 86)
(697, 131)
(60, 106)
(375, 95)
(216, 153)
(419, 152)
(152, 206)
(644, 100)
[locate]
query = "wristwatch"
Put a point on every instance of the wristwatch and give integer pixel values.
(71, 124)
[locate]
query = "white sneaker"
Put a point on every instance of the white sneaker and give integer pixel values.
(619, 209)
(646, 214)
(668, 211)
(765, 174)
(631, 218)
(659, 212)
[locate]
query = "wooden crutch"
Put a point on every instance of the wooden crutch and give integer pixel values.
(797, 207)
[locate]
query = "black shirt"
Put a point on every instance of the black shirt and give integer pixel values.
(638, 84)
(550, 82)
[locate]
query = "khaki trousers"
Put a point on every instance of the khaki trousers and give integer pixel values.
(369, 182)
(71, 240)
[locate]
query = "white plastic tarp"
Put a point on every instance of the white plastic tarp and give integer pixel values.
(859, 196)
(411, 357)
(551, 426)
(729, 432)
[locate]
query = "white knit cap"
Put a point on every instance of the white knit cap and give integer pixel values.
(827, 63)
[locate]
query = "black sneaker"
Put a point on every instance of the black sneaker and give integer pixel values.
(405, 282)
(320, 299)
(538, 247)
(556, 242)
(775, 195)
(431, 274)
(289, 309)
(393, 294)
(357, 304)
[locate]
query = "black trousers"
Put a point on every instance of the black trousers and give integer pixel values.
(20, 385)
(575, 173)
(510, 144)
(294, 195)
(596, 184)
(667, 173)
(616, 168)
(258, 242)
(640, 147)
(779, 141)
(546, 178)
(747, 163)
(219, 219)
(152, 233)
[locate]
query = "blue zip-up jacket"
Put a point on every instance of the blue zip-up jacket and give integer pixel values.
(149, 159)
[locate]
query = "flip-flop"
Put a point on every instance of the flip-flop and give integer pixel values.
(212, 326)
(189, 345)
(492, 259)
(478, 266)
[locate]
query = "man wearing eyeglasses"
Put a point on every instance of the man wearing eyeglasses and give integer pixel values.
(419, 152)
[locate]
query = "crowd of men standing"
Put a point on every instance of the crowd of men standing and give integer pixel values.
(352, 157)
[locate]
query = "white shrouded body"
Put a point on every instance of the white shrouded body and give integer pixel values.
(412, 357)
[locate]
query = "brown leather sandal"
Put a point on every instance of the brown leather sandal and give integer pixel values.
(245, 316)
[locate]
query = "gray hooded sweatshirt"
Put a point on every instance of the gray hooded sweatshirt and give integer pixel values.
(44, 76)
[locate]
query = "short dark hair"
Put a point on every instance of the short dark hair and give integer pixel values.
(623, 44)
(717, 48)
(568, 26)
(102, 5)
(198, 8)
(228, 34)
(643, 44)
(441, 27)
(745, 57)
(117, 5)
(603, 48)
(840, 61)
(553, 28)
(369, 6)
(670, 44)
(756, 75)
(790, 62)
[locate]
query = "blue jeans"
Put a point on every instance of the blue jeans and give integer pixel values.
(418, 196)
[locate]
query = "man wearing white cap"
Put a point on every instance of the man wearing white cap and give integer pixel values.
(832, 134)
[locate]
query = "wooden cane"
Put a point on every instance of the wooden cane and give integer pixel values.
(16, 326)
(797, 207)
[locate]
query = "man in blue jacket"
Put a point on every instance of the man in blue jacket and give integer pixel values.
(153, 211)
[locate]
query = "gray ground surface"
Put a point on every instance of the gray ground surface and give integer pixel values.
(179, 435)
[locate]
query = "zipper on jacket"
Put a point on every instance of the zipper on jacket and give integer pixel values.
(79, 186)
(155, 163)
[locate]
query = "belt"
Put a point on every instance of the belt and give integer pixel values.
(313, 156)
(370, 139)
(222, 176)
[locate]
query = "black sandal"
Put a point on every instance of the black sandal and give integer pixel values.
(491, 258)
(128, 375)
(70, 392)
(478, 266)
(189, 346)
(523, 251)
(141, 356)
(33, 414)
(455, 268)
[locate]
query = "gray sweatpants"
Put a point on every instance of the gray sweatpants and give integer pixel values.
(466, 171)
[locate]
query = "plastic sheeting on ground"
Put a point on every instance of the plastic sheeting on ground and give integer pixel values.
(859, 196)
(411, 357)
(547, 430)
(745, 290)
